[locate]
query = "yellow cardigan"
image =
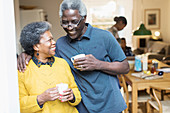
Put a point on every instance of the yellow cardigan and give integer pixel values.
(34, 81)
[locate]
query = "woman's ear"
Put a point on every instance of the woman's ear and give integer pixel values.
(36, 47)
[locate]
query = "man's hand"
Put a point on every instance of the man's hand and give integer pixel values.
(88, 63)
(49, 95)
(22, 61)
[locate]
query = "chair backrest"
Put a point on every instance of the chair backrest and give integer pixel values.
(166, 58)
(123, 84)
(158, 104)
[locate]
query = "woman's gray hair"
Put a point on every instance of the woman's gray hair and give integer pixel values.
(31, 34)
(73, 4)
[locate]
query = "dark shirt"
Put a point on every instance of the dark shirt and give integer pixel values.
(100, 92)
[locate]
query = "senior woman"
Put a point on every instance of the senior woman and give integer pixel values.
(38, 92)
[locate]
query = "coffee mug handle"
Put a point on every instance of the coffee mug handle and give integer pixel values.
(72, 59)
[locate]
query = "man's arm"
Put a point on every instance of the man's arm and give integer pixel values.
(113, 68)
(22, 61)
(90, 63)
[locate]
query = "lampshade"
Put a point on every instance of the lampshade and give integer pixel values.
(142, 31)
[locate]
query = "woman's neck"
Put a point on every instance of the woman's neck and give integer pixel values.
(42, 59)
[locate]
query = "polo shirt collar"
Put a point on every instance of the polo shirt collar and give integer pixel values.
(86, 35)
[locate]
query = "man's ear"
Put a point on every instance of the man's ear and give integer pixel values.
(85, 19)
(36, 47)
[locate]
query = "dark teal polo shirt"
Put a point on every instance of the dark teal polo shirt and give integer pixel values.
(100, 91)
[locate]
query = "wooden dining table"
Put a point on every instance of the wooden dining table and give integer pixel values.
(138, 83)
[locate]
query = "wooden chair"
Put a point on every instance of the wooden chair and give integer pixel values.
(143, 96)
(162, 106)
(122, 83)
(166, 59)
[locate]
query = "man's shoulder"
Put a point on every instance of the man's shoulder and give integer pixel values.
(61, 40)
(100, 30)
(95, 29)
(103, 34)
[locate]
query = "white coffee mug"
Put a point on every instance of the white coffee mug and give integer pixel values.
(77, 56)
(62, 87)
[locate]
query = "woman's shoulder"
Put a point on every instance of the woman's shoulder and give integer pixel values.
(60, 60)
(27, 70)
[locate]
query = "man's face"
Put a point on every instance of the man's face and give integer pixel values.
(73, 23)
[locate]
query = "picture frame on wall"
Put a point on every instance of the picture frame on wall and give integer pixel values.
(152, 18)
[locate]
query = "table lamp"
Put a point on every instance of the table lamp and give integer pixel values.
(142, 31)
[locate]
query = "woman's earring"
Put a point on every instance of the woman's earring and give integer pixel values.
(37, 53)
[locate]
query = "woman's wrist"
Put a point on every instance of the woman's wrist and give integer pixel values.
(73, 100)
(40, 100)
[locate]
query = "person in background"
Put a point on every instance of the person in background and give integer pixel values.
(121, 22)
(127, 50)
(95, 74)
(37, 85)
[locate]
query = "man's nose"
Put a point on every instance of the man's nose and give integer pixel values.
(69, 27)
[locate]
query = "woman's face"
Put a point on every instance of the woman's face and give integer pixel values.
(46, 47)
(121, 25)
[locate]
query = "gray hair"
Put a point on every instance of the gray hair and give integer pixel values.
(31, 34)
(73, 4)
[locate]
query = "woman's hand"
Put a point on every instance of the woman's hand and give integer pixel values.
(22, 61)
(49, 95)
(67, 96)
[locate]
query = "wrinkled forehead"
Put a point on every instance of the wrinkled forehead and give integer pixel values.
(70, 13)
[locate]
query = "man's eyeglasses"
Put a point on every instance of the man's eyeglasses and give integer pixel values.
(74, 23)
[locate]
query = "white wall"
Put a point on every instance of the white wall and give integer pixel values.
(17, 25)
(9, 95)
(122, 9)
(51, 7)
(163, 5)
(167, 38)
(128, 14)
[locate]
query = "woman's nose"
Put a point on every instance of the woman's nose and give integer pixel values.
(53, 42)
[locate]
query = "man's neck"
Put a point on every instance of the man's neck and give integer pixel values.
(83, 32)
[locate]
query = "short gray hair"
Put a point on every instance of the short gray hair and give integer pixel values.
(31, 34)
(73, 4)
